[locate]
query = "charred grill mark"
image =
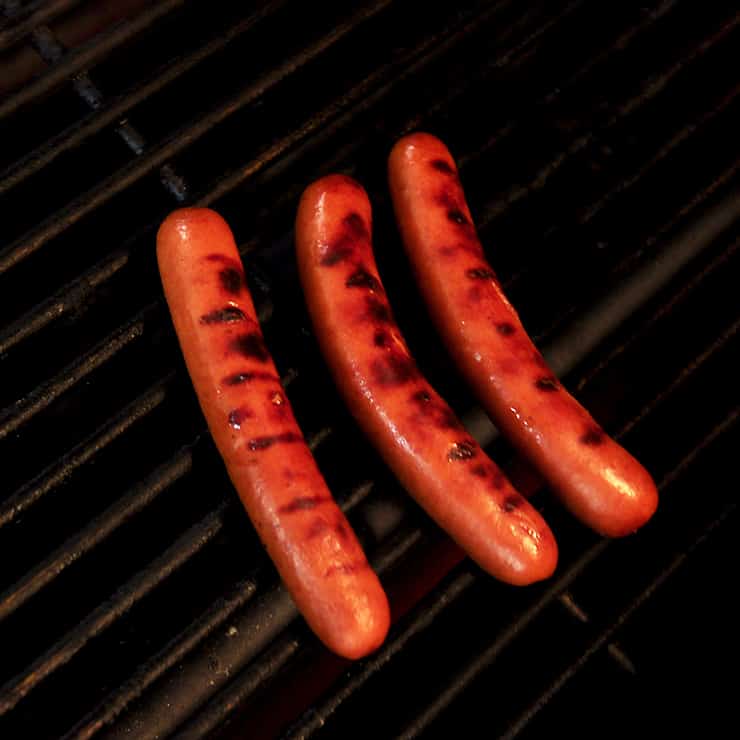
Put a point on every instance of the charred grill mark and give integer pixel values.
(480, 470)
(263, 443)
(338, 251)
(593, 436)
(505, 329)
(378, 310)
(232, 280)
(246, 377)
(457, 216)
(228, 315)
(361, 278)
(354, 567)
(512, 502)
(303, 503)
(342, 530)
(355, 225)
(497, 478)
(441, 166)
(546, 383)
(481, 273)
(439, 413)
(461, 450)
(381, 338)
(394, 368)
(239, 415)
(421, 397)
(251, 346)
(539, 360)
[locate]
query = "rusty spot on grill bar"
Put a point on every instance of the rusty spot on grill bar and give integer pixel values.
(246, 377)
(347, 568)
(303, 503)
(232, 280)
(263, 443)
(481, 273)
(441, 166)
(593, 436)
(546, 383)
(505, 329)
(461, 450)
(252, 346)
(228, 315)
(239, 415)
(394, 368)
(361, 278)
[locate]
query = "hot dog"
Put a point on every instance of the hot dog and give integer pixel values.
(307, 536)
(410, 424)
(597, 479)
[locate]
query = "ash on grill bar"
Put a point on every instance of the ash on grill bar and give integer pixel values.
(598, 147)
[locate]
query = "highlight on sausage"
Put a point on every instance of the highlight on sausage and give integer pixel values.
(597, 479)
(307, 536)
(413, 428)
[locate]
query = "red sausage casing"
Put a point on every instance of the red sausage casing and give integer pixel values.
(305, 533)
(412, 427)
(596, 478)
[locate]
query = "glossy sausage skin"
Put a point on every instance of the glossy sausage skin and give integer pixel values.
(599, 481)
(413, 428)
(307, 536)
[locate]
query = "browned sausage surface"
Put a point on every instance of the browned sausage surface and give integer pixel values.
(307, 536)
(596, 478)
(411, 425)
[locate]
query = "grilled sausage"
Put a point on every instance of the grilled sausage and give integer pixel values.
(413, 428)
(599, 481)
(305, 533)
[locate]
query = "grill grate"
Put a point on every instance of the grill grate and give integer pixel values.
(610, 159)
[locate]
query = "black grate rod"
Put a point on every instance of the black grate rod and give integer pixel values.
(134, 590)
(48, 480)
(160, 154)
(115, 109)
(96, 531)
(87, 55)
(41, 12)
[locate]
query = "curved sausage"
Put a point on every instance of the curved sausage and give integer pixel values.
(601, 483)
(413, 428)
(307, 536)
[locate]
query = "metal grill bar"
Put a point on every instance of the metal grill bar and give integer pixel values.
(48, 480)
(72, 294)
(459, 682)
(87, 55)
(132, 592)
(36, 14)
(647, 93)
(360, 98)
(43, 395)
(424, 616)
(96, 531)
(281, 645)
(159, 154)
(607, 634)
(118, 107)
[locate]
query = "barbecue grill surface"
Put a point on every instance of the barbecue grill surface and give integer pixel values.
(598, 146)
